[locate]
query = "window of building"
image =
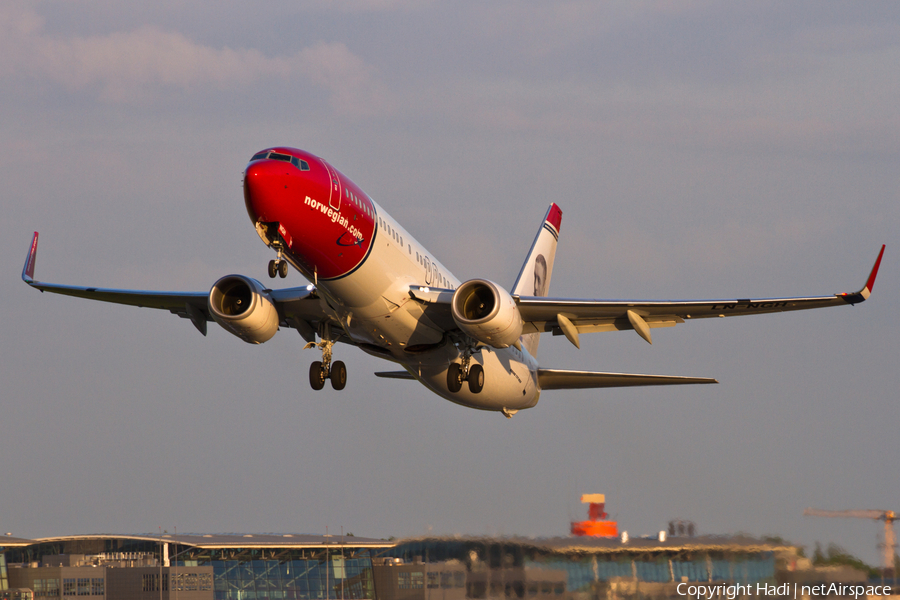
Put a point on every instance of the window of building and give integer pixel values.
(417, 580)
(46, 587)
(84, 586)
(98, 587)
(69, 588)
(433, 580)
(403, 580)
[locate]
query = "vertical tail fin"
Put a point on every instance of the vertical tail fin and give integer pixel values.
(534, 278)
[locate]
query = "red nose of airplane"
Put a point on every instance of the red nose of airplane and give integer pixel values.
(266, 187)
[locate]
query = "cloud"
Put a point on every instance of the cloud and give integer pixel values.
(131, 66)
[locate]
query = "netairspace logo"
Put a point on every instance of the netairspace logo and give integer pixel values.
(730, 592)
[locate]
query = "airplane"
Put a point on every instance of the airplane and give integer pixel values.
(374, 286)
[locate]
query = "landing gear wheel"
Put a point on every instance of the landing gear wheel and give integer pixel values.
(316, 375)
(454, 378)
(282, 269)
(338, 375)
(476, 378)
(273, 268)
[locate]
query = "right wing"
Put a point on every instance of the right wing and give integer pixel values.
(299, 308)
(556, 379)
(571, 317)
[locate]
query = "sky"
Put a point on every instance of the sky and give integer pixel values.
(697, 149)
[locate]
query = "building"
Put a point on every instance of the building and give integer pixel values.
(197, 567)
(315, 567)
(584, 568)
(7, 542)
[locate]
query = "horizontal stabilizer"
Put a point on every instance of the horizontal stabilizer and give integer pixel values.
(556, 379)
(394, 375)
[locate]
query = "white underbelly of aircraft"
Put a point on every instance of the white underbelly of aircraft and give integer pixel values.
(508, 382)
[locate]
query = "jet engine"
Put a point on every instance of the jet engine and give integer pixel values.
(242, 307)
(486, 312)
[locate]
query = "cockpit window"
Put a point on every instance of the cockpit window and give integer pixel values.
(300, 164)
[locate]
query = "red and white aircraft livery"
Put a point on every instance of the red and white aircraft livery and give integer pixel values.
(377, 288)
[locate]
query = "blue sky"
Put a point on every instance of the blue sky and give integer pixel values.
(697, 149)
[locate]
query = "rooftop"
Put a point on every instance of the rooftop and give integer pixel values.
(7, 541)
(231, 540)
(594, 545)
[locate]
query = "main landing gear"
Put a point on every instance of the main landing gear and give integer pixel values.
(320, 370)
(473, 374)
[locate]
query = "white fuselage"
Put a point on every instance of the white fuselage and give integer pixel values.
(375, 308)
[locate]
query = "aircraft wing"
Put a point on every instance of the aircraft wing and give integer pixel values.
(298, 308)
(556, 379)
(571, 317)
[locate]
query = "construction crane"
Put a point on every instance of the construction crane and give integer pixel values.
(888, 516)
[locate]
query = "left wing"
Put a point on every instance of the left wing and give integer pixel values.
(557, 379)
(571, 316)
(297, 307)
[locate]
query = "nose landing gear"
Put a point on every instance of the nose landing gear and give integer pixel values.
(320, 370)
(278, 267)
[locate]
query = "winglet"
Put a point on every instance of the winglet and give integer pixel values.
(871, 282)
(863, 294)
(28, 269)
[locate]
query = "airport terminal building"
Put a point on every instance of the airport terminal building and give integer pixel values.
(316, 567)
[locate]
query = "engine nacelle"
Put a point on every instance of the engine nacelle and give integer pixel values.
(242, 307)
(486, 312)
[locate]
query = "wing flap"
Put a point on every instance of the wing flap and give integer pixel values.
(557, 379)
